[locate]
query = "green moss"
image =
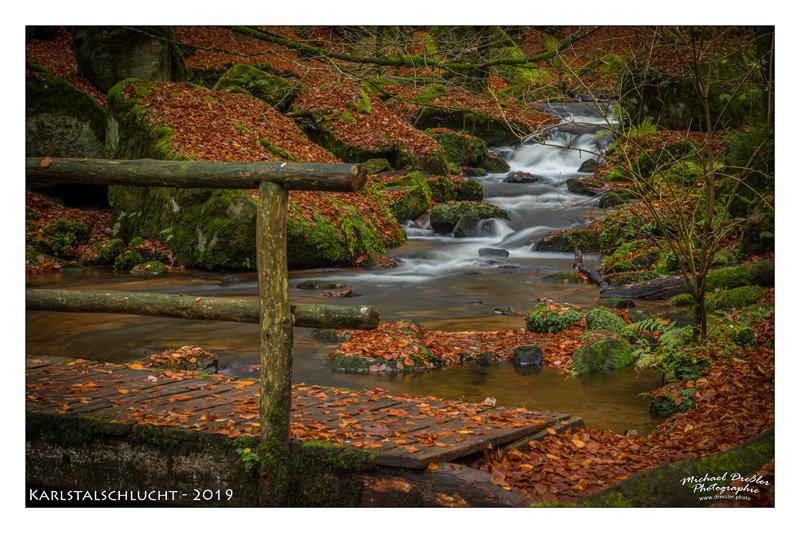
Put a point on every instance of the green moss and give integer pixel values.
(545, 318)
(584, 240)
(442, 189)
(346, 116)
(127, 260)
(429, 93)
(762, 273)
(570, 277)
(682, 300)
(149, 268)
(277, 150)
(600, 319)
(734, 298)
(65, 234)
(727, 278)
(276, 91)
(445, 216)
(373, 166)
(607, 353)
(470, 191)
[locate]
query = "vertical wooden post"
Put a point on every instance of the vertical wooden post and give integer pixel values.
(276, 343)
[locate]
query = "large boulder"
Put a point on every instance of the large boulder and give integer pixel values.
(276, 91)
(61, 120)
(107, 55)
(355, 127)
(604, 353)
(445, 216)
(216, 228)
(467, 150)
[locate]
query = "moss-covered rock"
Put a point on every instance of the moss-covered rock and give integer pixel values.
(762, 273)
(551, 318)
(495, 131)
(374, 166)
(734, 298)
(127, 260)
(469, 191)
(727, 278)
(585, 186)
(409, 196)
(466, 226)
(467, 151)
(276, 91)
(442, 189)
(600, 319)
(317, 284)
(617, 303)
(347, 231)
(340, 129)
(528, 356)
(682, 300)
(585, 240)
(150, 268)
(64, 234)
(103, 252)
(605, 353)
(107, 55)
(61, 120)
(445, 216)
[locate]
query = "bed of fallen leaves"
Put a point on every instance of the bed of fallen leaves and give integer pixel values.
(188, 357)
(41, 211)
(379, 129)
(407, 345)
(735, 402)
(57, 56)
(222, 126)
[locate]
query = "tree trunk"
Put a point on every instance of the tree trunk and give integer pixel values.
(275, 388)
(195, 174)
(205, 308)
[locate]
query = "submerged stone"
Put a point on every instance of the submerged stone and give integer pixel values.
(528, 356)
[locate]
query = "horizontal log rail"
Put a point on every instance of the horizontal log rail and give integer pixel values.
(338, 177)
(197, 308)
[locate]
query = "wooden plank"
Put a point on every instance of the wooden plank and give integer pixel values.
(340, 177)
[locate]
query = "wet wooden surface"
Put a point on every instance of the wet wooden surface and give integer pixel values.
(405, 431)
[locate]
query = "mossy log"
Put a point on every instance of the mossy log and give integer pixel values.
(205, 308)
(339, 177)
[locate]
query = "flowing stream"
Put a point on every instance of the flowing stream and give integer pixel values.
(440, 282)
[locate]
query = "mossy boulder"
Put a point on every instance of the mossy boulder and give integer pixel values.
(590, 165)
(150, 268)
(469, 191)
(276, 91)
(374, 166)
(762, 273)
(107, 55)
(617, 303)
(601, 354)
(682, 300)
(442, 189)
(467, 150)
(585, 240)
(445, 216)
(103, 252)
(727, 278)
(528, 356)
(600, 319)
(61, 120)
(340, 129)
(734, 298)
(551, 318)
(127, 260)
(409, 196)
(341, 229)
(64, 234)
(585, 186)
(466, 226)
(493, 130)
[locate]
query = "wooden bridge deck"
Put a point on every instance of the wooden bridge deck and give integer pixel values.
(405, 431)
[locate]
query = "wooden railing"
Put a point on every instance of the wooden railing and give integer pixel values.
(273, 310)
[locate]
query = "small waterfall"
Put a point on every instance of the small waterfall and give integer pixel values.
(535, 209)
